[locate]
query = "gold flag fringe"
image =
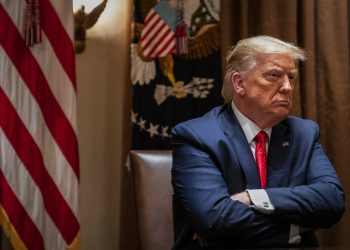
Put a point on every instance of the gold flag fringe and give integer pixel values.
(75, 245)
(10, 231)
(17, 242)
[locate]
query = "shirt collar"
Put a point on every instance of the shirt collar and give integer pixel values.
(250, 129)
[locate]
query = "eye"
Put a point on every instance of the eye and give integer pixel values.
(273, 75)
(292, 77)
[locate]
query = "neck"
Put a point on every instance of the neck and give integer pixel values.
(262, 121)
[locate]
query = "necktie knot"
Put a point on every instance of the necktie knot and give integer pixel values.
(260, 137)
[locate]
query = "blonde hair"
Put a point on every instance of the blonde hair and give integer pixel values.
(242, 57)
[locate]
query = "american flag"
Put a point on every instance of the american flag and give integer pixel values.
(157, 37)
(39, 168)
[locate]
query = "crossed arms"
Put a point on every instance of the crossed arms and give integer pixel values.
(313, 197)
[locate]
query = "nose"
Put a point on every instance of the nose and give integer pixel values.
(287, 85)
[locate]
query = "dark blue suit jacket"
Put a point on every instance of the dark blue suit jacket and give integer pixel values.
(213, 160)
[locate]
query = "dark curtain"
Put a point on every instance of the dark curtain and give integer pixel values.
(323, 94)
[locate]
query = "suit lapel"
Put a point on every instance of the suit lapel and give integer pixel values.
(278, 161)
(240, 147)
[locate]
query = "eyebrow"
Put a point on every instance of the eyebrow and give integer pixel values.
(294, 71)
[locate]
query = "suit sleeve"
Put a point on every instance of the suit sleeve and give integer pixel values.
(199, 186)
(319, 202)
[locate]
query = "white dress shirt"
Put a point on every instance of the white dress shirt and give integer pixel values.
(260, 200)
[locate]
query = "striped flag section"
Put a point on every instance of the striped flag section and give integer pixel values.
(39, 167)
(157, 38)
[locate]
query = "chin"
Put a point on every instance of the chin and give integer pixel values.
(282, 113)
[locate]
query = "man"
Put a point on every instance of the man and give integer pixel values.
(247, 174)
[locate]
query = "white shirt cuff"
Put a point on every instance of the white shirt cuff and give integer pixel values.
(261, 201)
(294, 235)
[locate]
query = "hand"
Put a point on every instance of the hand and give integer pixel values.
(242, 197)
(202, 242)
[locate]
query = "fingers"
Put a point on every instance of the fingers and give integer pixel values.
(242, 197)
(201, 241)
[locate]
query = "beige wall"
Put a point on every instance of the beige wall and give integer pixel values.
(102, 75)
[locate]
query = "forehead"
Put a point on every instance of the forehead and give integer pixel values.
(275, 60)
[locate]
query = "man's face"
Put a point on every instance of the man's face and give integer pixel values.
(268, 89)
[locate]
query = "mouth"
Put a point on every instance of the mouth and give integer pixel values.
(282, 103)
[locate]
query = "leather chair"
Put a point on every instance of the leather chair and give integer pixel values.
(151, 177)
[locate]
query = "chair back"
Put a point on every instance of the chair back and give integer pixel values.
(151, 175)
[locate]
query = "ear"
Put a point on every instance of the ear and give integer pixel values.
(238, 84)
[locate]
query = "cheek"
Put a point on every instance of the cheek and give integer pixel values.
(272, 93)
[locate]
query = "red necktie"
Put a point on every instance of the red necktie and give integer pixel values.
(260, 157)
